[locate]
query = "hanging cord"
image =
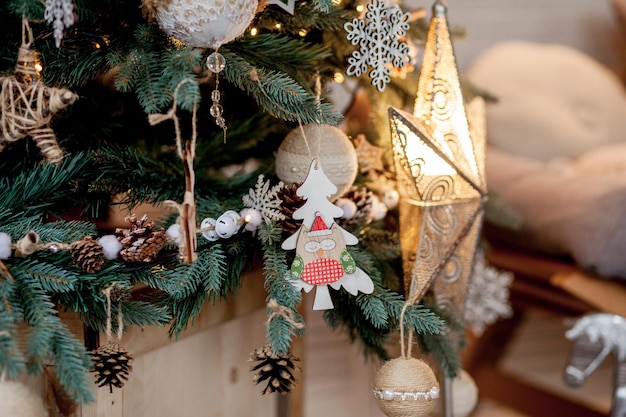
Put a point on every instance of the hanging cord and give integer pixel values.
(187, 210)
(284, 312)
(405, 352)
(120, 318)
(318, 98)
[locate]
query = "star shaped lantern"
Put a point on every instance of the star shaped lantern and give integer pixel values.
(439, 160)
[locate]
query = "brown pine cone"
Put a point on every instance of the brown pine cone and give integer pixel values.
(276, 370)
(87, 254)
(112, 364)
(141, 243)
(290, 203)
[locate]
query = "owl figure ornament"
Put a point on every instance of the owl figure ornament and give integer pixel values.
(321, 255)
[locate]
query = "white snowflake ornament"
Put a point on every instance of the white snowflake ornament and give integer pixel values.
(265, 200)
(380, 46)
(487, 296)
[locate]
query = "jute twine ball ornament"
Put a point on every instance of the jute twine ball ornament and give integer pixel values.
(464, 395)
(330, 145)
(17, 400)
(205, 23)
(406, 387)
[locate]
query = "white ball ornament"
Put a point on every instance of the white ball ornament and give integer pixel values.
(205, 23)
(228, 224)
(336, 155)
(210, 234)
(390, 198)
(252, 219)
(17, 400)
(173, 233)
(348, 206)
(406, 387)
(110, 246)
(464, 395)
(5, 246)
(378, 209)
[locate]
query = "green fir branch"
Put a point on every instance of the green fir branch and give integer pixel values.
(215, 271)
(71, 362)
(52, 278)
(280, 331)
(278, 93)
(283, 54)
(142, 314)
(12, 361)
(41, 186)
(184, 311)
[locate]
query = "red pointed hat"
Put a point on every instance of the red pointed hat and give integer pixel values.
(319, 228)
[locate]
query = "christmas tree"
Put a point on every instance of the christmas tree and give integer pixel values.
(121, 104)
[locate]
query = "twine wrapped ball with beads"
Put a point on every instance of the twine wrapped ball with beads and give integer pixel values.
(329, 145)
(406, 387)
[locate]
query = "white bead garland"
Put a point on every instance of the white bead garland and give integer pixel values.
(110, 246)
(228, 224)
(173, 233)
(5, 246)
(252, 219)
(208, 225)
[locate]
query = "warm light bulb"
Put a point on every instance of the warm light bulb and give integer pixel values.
(360, 8)
(302, 32)
(339, 78)
(278, 26)
(254, 31)
(38, 67)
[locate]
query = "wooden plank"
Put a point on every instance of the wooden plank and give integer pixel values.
(204, 374)
(107, 404)
(603, 294)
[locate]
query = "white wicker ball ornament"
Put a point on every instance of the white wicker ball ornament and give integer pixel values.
(205, 23)
(406, 387)
(17, 400)
(335, 153)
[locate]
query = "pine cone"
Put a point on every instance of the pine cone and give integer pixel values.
(141, 243)
(290, 203)
(276, 369)
(111, 364)
(87, 254)
(363, 198)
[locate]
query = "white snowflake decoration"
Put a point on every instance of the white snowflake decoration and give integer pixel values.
(379, 42)
(487, 296)
(265, 200)
(61, 14)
